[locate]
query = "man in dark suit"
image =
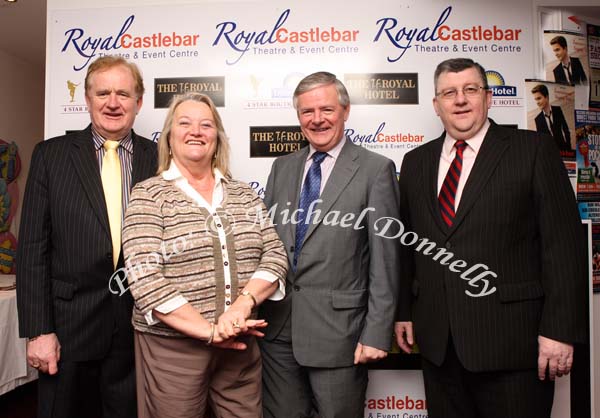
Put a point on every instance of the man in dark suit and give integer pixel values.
(495, 277)
(551, 119)
(77, 322)
(330, 202)
(569, 69)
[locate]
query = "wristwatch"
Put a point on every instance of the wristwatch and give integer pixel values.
(247, 293)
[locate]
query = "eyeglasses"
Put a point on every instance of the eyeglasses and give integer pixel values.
(468, 91)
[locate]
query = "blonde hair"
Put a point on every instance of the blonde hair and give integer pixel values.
(220, 159)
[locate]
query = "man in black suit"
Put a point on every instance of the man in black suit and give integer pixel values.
(569, 69)
(495, 274)
(77, 322)
(551, 119)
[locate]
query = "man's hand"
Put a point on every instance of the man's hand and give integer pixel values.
(232, 323)
(404, 336)
(252, 328)
(43, 353)
(554, 355)
(365, 354)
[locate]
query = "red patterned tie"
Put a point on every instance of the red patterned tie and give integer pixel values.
(448, 191)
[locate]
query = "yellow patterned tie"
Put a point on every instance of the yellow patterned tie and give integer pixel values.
(111, 183)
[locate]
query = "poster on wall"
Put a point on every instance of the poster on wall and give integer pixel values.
(550, 110)
(566, 61)
(591, 211)
(594, 56)
(588, 155)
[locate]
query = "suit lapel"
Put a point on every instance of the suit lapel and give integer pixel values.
(83, 157)
(142, 162)
(343, 171)
(294, 187)
(492, 149)
(430, 176)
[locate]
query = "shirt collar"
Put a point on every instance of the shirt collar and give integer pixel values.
(126, 143)
(474, 143)
(173, 173)
(333, 152)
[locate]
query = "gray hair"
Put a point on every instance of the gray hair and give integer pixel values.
(322, 78)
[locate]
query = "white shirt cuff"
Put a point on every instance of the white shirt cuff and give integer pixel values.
(165, 308)
(279, 293)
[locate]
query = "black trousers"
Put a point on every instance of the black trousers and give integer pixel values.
(103, 388)
(454, 392)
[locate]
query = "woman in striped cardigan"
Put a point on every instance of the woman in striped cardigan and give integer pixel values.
(201, 254)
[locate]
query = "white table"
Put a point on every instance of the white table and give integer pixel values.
(14, 370)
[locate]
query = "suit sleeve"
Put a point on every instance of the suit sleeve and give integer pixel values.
(403, 313)
(384, 197)
(562, 244)
(34, 302)
(270, 184)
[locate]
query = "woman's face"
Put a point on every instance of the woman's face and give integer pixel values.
(193, 137)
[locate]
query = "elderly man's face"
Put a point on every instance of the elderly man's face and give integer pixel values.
(112, 102)
(322, 117)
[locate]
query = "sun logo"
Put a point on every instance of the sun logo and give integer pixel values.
(494, 78)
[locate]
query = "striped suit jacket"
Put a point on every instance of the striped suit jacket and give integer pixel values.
(517, 219)
(64, 256)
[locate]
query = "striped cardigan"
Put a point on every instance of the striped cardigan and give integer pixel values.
(171, 248)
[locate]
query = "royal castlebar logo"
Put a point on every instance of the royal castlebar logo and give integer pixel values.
(125, 42)
(446, 35)
(284, 39)
(503, 95)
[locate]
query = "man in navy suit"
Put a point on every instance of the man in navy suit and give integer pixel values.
(77, 322)
(493, 283)
(551, 119)
(569, 69)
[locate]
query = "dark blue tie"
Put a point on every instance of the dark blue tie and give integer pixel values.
(310, 192)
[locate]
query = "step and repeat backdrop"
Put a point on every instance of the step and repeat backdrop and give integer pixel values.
(249, 56)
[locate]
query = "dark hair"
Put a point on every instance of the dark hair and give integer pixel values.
(322, 78)
(456, 65)
(540, 88)
(559, 40)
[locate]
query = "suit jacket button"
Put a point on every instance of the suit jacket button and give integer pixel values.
(292, 249)
(297, 288)
(448, 245)
(109, 256)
